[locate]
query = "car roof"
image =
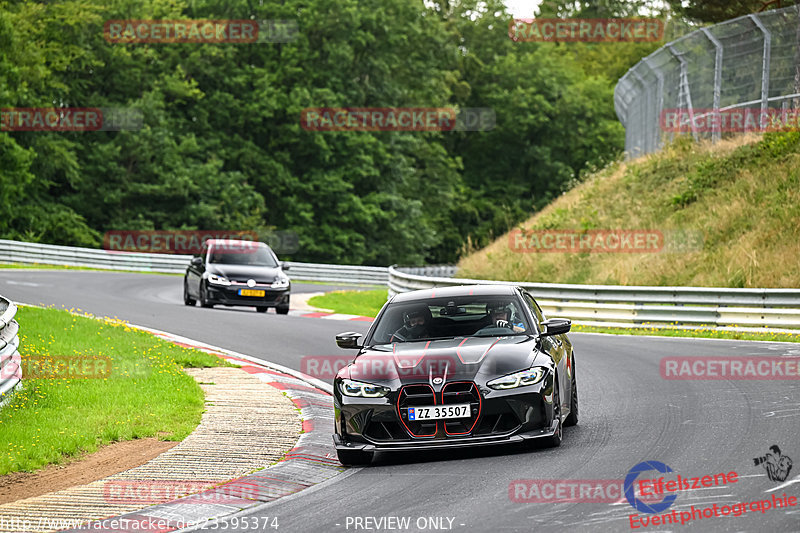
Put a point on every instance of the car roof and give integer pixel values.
(460, 290)
(234, 241)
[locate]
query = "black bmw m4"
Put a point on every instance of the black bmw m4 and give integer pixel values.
(455, 367)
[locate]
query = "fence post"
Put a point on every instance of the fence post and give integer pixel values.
(643, 116)
(717, 133)
(684, 91)
(765, 63)
(660, 101)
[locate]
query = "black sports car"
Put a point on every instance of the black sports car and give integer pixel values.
(454, 367)
(232, 272)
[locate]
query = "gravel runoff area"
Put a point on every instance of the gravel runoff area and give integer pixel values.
(248, 425)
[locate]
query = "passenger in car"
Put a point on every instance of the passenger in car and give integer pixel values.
(415, 325)
(500, 315)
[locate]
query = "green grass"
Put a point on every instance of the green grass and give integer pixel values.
(142, 393)
(690, 333)
(362, 303)
(736, 203)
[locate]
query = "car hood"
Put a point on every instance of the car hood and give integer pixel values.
(244, 272)
(476, 359)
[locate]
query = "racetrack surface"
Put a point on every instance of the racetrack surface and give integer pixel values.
(628, 414)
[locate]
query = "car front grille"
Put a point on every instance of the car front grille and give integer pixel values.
(413, 396)
(460, 392)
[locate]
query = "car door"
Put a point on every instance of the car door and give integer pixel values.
(559, 348)
(194, 273)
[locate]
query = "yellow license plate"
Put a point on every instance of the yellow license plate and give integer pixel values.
(251, 292)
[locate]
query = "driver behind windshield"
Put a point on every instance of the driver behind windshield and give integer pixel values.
(415, 325)
(501, 316)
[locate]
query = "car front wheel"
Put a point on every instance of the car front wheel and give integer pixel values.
(187, 300)
(555, 439)
(572, 417)
(204, 297)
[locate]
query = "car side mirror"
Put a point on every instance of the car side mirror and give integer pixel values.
(284, 266)
(197, 261)
(555, 326)
(348, 340)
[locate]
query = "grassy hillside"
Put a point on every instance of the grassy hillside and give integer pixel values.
(742, 195)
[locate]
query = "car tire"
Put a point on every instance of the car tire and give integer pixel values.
(555, 440)
(203, 298)
(262, 309)
(187, 300)
(282, 309)
(572, 417)
(354, 457)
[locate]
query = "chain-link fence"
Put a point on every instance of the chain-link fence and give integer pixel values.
(736, 76)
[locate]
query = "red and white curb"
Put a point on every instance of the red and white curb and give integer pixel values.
(312, 460)
(330, 316)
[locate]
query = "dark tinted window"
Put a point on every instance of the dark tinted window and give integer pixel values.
(463, 316)
(535, 309)
(249, 255)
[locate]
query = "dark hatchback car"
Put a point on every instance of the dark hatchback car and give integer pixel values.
(242, 273)
(455, 367)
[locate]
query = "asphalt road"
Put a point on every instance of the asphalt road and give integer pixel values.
(628, 414)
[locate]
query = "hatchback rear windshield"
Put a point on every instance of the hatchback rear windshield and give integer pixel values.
(257, 256)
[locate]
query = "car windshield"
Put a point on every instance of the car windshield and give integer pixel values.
(465, 316)
(254, 256)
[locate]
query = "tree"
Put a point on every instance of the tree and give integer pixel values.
(721, 10)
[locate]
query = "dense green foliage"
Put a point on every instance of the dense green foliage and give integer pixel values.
(720, 10)
(222, 147)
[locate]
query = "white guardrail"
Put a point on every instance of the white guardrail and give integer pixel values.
(47, 254)
(616, 305)
(607, 305)
(10, 363)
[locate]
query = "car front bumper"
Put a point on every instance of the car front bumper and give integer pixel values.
(229, 295)
(462, 442)
(504, 416)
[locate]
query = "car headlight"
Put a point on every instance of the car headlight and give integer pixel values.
(519, 379)
(281, 283)
(218, 280)
(362, 390)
